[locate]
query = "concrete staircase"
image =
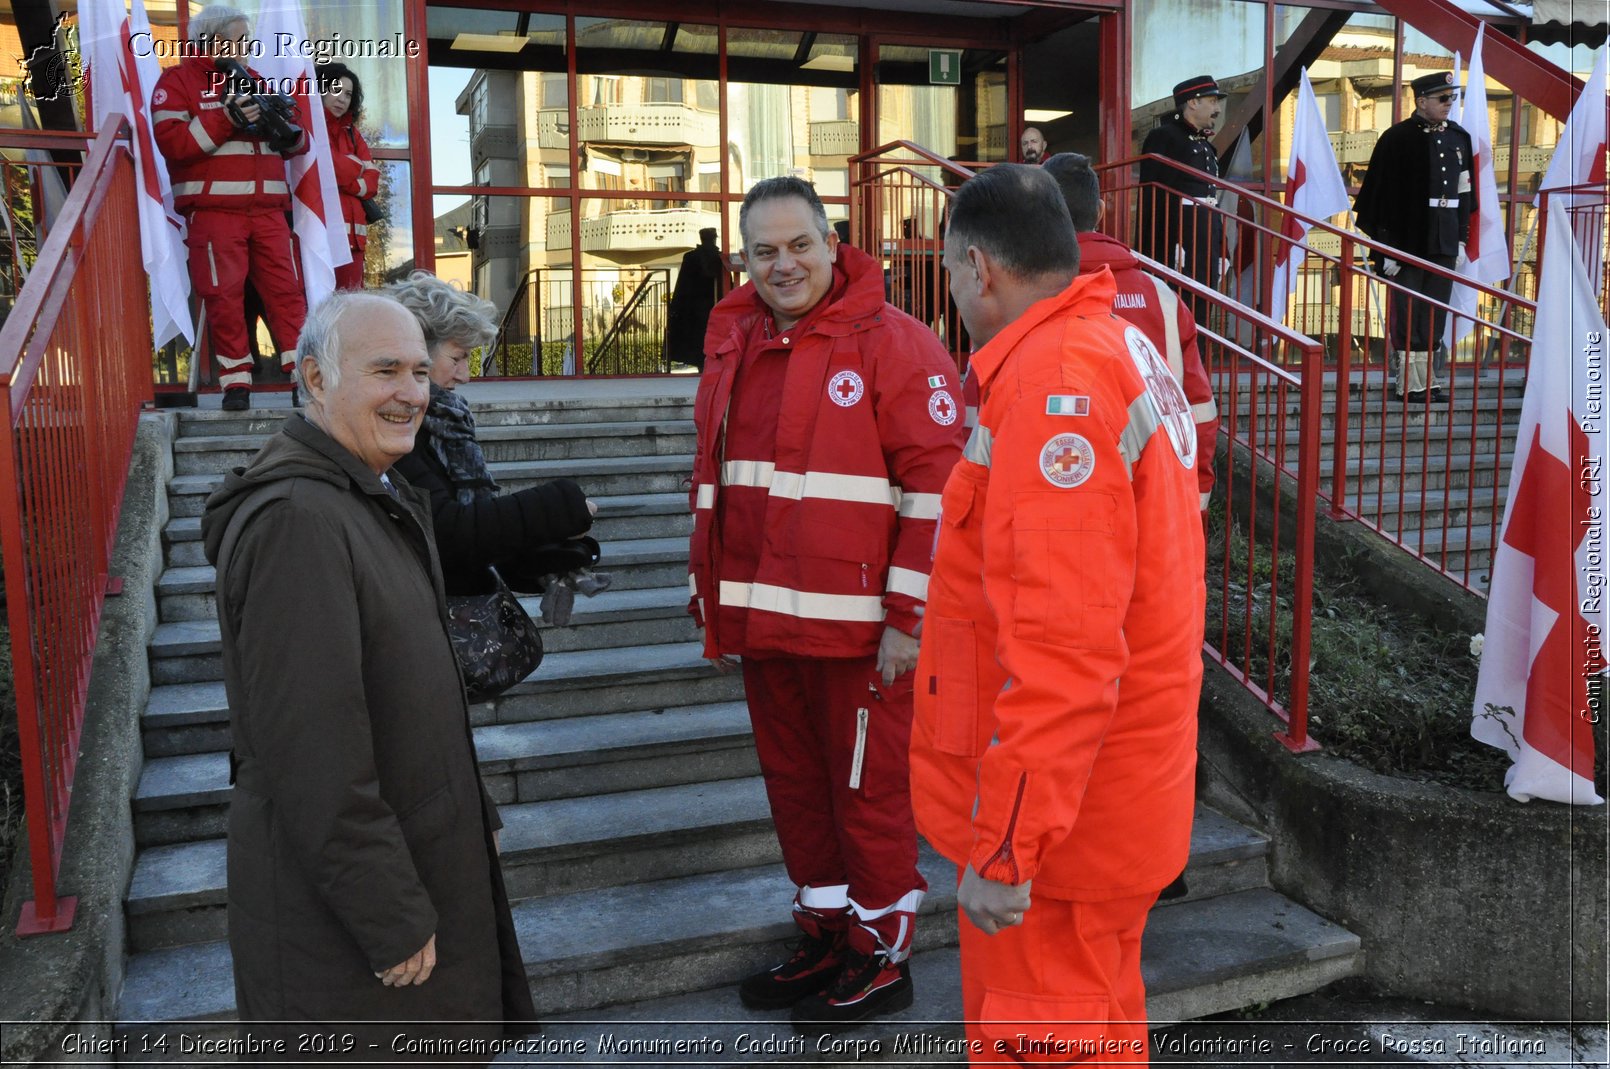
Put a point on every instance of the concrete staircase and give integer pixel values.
(1431, 479)
(637, 841)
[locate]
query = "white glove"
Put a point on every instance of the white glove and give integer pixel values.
(1390, 267)
(1179, 257)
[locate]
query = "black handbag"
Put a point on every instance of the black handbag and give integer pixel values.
(372, 212)
(496, 642)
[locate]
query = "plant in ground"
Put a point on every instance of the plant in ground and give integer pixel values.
(1386, 690)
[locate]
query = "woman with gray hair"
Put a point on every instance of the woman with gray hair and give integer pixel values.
(475, 525)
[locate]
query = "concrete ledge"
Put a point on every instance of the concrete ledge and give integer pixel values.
(50, 982)
(1463, 897)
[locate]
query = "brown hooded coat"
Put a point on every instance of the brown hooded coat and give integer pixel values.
(358, 825)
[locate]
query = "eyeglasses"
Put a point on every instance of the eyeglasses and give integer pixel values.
(1445, 98)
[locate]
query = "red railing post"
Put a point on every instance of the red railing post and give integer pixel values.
(1311, 392)
(1344, 385)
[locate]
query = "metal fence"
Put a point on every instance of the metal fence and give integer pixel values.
(75, 366)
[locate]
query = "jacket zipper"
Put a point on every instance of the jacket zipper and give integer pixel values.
(1004, 854)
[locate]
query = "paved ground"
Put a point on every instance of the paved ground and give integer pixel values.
(1344, 1025)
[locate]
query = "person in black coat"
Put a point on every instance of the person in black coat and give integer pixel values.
(1178, 224)
(475, 525)
(1418, 197)
(698, 287)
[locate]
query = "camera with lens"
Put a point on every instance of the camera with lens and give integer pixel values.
(276, 118)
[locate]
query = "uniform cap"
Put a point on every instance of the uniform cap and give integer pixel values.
(1427, 84)
(1200, 86)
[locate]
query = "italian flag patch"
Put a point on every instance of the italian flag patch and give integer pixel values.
(1067, 405)
(935, 381)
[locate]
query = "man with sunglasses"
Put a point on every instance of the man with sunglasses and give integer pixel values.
(1418, 197)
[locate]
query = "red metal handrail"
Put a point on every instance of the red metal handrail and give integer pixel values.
(75, 365)
(1446, 458)
(1261, 635)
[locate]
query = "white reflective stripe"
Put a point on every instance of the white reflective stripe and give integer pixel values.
(859, 756)
(803, 604)
(203, 139)
(747, 473)
(906, 903)
(693, 585)
(1168, 305)
(188, 189)
(230, 363)
(906, 581)
(276, 187)
(1206, 494)
(1143, 423)
(706, 496)
(919, 506)
(1205, 411)
(359, 160)
(231, 379)
(971, 419)
(360, 229)
(869, 489)
(979, 445)
(237, 147)
(212, 264)
(233, 189)
(834, 897)
(166, 116)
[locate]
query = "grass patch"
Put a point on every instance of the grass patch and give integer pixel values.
(1387, 690)
(11, 815)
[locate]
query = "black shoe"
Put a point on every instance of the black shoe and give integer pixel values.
(866, 987)
(1438, 395)
(1415, 397)
(237, 399)
(815, 962)
(1178, 889)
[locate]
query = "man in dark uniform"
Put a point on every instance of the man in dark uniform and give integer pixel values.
(698, 288)
(1418, 196)
(1178, 225)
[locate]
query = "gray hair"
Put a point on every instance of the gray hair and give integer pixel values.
(783, 186)
(320, 340)
(445, 311)
(211, 22)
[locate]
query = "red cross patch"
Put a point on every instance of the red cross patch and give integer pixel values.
(942, 407)
(845, 388)
(159, 98)
(1067, 460)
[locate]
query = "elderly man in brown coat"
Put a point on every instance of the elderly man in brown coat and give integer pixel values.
(364, 884)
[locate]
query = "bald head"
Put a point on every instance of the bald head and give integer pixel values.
(1032, 144)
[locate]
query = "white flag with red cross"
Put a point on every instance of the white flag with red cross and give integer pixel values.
(1314, 190)
(1486, 255)
(1579, 160)
(1546, 611)
(286, 60)
(122, 79)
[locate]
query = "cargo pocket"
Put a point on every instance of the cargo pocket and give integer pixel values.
(955, 686)
(1046, 1029)
(1065, 568)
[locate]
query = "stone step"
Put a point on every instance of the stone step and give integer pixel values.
(189, 718)
(629, 516)
(177, 894)
(634, 616)
(1416, 474)
(1378, 414)
(603, 477)
(185, 796)
(201, 422)
(661, 938)
(188, 650)
(509, 442)
(1431, 509)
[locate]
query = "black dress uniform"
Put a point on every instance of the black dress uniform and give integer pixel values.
(1418, 197)
(1181, 213)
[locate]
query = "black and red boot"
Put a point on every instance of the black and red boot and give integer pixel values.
(867, 986)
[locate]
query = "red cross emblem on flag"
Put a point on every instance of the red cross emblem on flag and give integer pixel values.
(845, 388)
(942, 408)
(1067, 460)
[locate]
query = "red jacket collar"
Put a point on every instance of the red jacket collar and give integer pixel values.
(1086, 295)
(853, 302)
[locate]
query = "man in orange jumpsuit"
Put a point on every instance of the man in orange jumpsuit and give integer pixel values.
(1054, 744)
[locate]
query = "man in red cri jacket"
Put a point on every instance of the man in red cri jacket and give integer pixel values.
(1054, 744)
(227, 162)
(827, 423)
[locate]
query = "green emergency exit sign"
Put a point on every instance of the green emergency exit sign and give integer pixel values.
(944, 66)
